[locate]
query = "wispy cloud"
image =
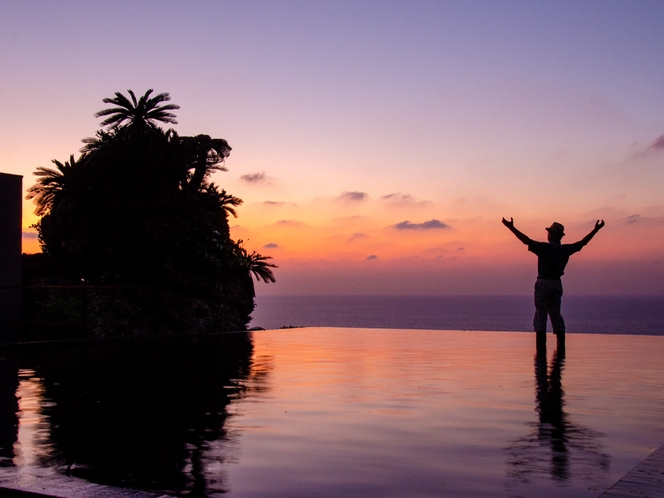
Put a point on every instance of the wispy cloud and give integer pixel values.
(274, 203)
(398, 198)
(257, 178)
(658, 144)
(357, 236)
(646, 220)
(655, 147)
(29, 235)
(289, 223)
(353, 196)
(373, 256)
(427, 225)
(271, 245)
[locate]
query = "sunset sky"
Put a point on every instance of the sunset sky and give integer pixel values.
(378, 144)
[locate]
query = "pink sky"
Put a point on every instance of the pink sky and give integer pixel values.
(377, 144)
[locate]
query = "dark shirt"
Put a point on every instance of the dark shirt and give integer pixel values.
(552, 257)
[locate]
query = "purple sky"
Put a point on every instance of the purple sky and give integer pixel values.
(349, 120)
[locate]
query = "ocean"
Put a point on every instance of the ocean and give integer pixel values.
(634, 315)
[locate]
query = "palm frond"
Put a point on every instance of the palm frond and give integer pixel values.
(133, 97)
(142, 112)
(51, 182)
(256, 264)
(228, 202)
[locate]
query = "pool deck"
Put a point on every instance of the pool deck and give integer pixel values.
(29, 486)
(644, 480)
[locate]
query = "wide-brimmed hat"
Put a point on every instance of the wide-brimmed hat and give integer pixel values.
(556, 229)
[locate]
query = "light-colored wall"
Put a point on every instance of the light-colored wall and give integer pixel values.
(11, 188)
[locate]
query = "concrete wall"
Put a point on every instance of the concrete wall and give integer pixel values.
(11, 197)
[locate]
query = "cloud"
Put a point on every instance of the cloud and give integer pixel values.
(353, 196)
(276, 205)
(434, 251)
(271, 245)
(427, 225)
(30, 235)
(289, 223)
(373, 256)
(398, 196)
(257, 178)
(658, 144)
(656, 147)
(633, 218)
(357, 236)
(399, 199)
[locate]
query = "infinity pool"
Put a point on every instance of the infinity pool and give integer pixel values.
(336, 412)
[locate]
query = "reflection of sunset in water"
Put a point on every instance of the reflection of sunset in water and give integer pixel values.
(33, 444)
(352, 412)
(430, 412)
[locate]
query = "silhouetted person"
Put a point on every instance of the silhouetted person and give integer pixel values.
(552, 257)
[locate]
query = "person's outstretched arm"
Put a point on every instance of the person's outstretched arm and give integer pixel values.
(519, 235)
(598, 226)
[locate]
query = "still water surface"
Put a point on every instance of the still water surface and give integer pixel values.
(337, 412)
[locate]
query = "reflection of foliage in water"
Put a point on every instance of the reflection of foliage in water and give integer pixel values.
(9, 364)
(554, 447)
(257, 380)
(145, 414)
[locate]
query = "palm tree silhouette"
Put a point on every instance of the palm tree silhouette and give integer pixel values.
(259, 267)
(138, 113)
(52, 182)
(227, 202)
(205, 155)
(256, 263)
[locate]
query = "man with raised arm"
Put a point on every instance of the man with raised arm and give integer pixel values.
(552, 257)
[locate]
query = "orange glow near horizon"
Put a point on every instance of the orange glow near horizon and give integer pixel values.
(367, 253)
(477, 239)
(334, 246)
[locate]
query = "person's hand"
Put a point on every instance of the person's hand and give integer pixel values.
(599, 224)
(509, 224)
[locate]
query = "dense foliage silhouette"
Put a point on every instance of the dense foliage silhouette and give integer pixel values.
(138, 207)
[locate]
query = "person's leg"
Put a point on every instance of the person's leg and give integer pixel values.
(539, 321)
(555, 295)
(541, 306)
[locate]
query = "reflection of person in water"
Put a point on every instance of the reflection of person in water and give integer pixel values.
(555, 447)
(552, 257)
(553, 421)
